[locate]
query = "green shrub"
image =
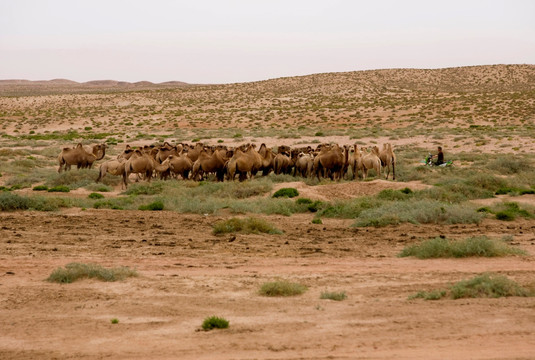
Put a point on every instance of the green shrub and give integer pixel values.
(475, 246)
(392, 195)
(12, 202)
(286, 192)
(76, 271)
(303, 201)
(510, 211)
(418, 212)
(431, 295)
(114, 321)
(317, 221)
(214, 322)
(487, 286)
(246, 226)
(406, 191)
(40, 188)
(337, 296)
(59, 188)
(508, 165)
(282, 288)
(350, 209)
(152, 188)
(153, 206)
(95, 196)
(505, 215)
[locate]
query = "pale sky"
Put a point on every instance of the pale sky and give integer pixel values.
(218, 41)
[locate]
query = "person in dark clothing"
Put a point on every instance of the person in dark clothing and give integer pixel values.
(440, 157)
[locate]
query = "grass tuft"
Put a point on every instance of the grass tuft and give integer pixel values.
(286, 192)
(282, 288)
(95, 196)
(336, 296)
(153, 206)
(76, 271)
(214, 322)
(59, 188)
(247, 226)
(488, 286)
(480, 246)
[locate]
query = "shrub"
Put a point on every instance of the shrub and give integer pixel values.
(508, 165)
(431, 295)
(418, 212)
(214, 322)
(155, 187)
(76, 271)
(487, 286)
(317, 221)
(392, 195)
(114, 321)
(247, 226)
(40, 188)
(12, 202)
(282, 288)
(95, 196)
(406, 191)
(511, 211)
(286, 192)
(337, 296)
(303, 201)
(153, 206)
(59, 188)
(475, 246)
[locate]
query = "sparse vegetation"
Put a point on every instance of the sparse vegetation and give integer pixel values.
(75, 271)
(337, 296)
(282, 288)
(247, 226)
(473, 246)
(214, 322)
(153, 206)
(481, 286)
(286, 192)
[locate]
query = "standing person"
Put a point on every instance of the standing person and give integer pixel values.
(440, 157)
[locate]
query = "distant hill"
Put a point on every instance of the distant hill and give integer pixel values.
(21, 87)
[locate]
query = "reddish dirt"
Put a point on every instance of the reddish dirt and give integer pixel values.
(187, 274)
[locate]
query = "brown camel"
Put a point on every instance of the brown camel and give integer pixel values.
(330, 161)
(141, 163)
(80, 157)
(208, 163)
(180, 165)
(388, 159)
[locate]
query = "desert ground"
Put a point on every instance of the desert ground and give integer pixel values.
(482, 116)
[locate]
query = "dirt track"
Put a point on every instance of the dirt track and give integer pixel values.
(187, 274)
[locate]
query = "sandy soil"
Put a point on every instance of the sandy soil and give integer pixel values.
(187, 274)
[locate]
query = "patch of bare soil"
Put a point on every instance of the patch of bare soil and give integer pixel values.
(187, 274)
(348, 190)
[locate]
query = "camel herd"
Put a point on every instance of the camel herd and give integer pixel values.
(198, 161)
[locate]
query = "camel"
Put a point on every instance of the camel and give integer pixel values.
(267, 159)
(304, 164)
(193, 152)
(368, 161)
(207, 163)
(180, 165)
(113, 167)
(167, 149)
(331, 161)
(243, 162)
(388, 159)
(80, 157)
(141, 163)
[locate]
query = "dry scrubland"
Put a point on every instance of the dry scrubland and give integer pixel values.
(439, 263)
